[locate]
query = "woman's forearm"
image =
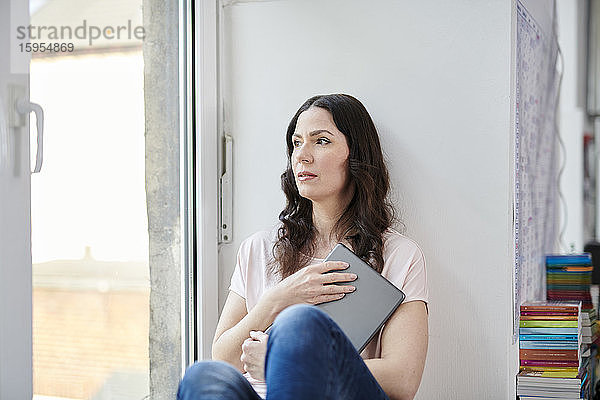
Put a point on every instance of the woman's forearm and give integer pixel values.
(228, 346)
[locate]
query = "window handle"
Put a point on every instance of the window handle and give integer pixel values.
(4, 146)
(226, 195)
(26, 107)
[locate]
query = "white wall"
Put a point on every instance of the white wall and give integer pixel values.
(436, 77)
(572, 117)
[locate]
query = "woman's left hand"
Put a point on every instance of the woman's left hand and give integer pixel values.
(254, 350)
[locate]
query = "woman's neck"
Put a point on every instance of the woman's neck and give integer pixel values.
(325, 216)
(324, 221)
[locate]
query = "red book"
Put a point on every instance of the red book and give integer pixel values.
(550, 306)
(569, 293)
(547, 313)
(548, 317)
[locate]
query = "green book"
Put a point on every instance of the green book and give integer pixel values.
(559, 286)
(548, 324)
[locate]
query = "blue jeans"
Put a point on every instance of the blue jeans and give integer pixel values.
(308, 357)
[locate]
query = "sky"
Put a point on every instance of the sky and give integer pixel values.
(90, 191)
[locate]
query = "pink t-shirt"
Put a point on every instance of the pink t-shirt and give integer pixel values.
(404, 266)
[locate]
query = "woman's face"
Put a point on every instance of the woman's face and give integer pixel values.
(320, 157)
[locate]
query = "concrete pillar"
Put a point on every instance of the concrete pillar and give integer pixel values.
(161, 97)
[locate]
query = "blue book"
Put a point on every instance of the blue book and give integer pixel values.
(547, 344)
(549, 337)
(548, 331)
(571, 259)
(569, 273)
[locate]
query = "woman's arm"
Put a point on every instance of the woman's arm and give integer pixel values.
(403, 352)
(235, 325)
(309, 285)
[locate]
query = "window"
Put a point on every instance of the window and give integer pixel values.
(91, 284)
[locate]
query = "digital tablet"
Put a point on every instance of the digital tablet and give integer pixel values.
(362, 313)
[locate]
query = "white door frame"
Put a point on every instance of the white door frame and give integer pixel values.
(16, 373)
(207, 173)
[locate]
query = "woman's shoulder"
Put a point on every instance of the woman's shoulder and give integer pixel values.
(261, 240)
(404, 265)
(395, 243)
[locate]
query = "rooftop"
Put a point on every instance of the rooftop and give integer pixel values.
(88, 273)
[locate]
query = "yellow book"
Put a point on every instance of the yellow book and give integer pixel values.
(556, 374)
(550, 369)
(538, 376)
(548, 324)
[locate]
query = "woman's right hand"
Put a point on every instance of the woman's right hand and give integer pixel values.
(314, 284)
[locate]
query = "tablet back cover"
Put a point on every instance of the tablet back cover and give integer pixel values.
(362, 313)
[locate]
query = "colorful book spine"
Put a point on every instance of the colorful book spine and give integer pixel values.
(547, 363)
(557, 369)
(569, 259)
(548, 324)
(550, 335)
(535, 313)
(568, 278)
(548, 331)
(563, 338)
(549, 354)
(548, 317)
(547, 344)
(545, 307)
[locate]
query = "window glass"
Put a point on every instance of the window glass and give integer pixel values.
(89, 222)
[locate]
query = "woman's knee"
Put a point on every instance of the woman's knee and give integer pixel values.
(207, 377)
(210, 370)
(301, 318)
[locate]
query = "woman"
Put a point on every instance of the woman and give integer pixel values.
(336, 184)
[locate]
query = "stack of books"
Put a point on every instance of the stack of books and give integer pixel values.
(568, 278)
(550, 355)
(542, 385)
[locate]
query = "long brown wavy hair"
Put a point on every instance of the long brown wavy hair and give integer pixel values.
(368, 214)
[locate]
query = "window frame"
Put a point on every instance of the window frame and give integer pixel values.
(200, 176)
